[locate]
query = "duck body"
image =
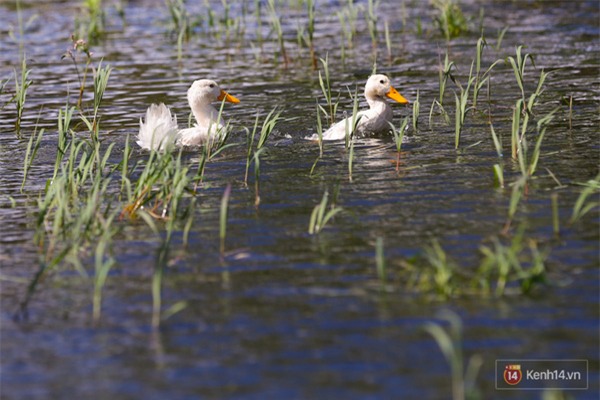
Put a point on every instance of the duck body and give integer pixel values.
(377, 118)
(160, 129)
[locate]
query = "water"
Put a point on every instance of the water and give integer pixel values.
(285, 314)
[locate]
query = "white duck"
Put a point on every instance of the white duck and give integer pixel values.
(160, 128)
(374, 120)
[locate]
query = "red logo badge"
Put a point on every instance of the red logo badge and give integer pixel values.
(512, 374)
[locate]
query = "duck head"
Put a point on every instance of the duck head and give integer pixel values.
(378, 87)
(206, 91)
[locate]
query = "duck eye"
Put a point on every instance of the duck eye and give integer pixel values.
(212, 85)
(382, 82)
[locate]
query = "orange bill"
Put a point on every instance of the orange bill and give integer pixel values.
(227, 97)
(394, 95)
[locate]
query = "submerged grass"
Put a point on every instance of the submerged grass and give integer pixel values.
(449, 340)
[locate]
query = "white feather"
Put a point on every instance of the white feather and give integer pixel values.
(159, 130)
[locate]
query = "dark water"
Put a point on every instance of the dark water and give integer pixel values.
(286, 314)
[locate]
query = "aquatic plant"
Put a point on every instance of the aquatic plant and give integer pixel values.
(91, 21)
(480, 79)
(214, 145)
(310, 29)
(500, 38)
(350, 147)
(319, 138)
(443, 270)
(449, 340)
(157, 275)
(498, 176)
(415, 113)
(450, 19)
(322, 213)
(253, 155)
(555, 214)
(102, 265)
(380, 260)
(583, 206)
(162, 180)
(518, 189)
(79, 45)
(258, 21)
(445, 72)
(101, 76)
(275, 22)
(348, 17)
(461, 112)
(505, 264)
(518, 64)
(223, 217)
(72, 213)
(319, 131)
(21, 86)
(32, 147)
(180, 23)
(570, 112)
(398, 134)
(498, 170)
(3, 83)
(388, 40)
(372, 21)
(350, 127)
(519, 142)
(325, 85)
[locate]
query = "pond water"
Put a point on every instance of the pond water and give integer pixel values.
(285, 314)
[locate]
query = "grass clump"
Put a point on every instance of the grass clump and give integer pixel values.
(90, 23)
(506, 264)
(449, 18)
(322, 213)
(325, 84)
(253, 153)
(504, 269)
